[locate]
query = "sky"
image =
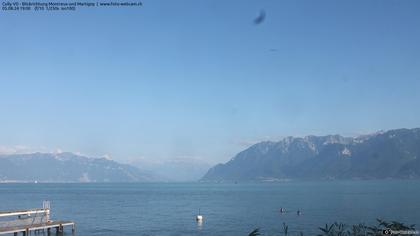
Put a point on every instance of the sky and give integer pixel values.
(200, 80)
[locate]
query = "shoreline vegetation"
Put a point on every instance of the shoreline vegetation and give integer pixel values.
(340, 229)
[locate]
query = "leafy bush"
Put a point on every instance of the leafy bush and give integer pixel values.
(340, 229)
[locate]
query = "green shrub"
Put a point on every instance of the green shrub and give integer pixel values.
(340, 229)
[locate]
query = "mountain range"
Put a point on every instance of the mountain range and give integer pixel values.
(382, 155)
(66, 167)
(390, 154)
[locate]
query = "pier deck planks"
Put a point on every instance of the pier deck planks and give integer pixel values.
(25, 228)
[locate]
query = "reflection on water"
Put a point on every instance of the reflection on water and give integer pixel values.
(199, 225)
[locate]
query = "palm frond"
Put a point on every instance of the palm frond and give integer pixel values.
(255, 232)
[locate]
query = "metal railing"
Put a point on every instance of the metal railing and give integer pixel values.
(26, 217)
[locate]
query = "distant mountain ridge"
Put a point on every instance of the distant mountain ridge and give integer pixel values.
(66, 167)
(175, 169)
(390, 154)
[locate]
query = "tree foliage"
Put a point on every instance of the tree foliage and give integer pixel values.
(340, 229)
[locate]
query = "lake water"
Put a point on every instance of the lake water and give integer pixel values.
(228, 209)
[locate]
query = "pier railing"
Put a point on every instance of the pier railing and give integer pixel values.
(24, 217)
(29, 220)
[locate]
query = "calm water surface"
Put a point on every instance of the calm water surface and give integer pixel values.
(229, 209)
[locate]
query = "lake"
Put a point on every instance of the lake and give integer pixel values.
(228, 209)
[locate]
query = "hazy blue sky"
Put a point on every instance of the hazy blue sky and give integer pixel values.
(197, 79)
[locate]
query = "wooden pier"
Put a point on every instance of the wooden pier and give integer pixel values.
(32, 220)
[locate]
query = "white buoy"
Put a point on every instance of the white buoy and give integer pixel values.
(199, 217)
